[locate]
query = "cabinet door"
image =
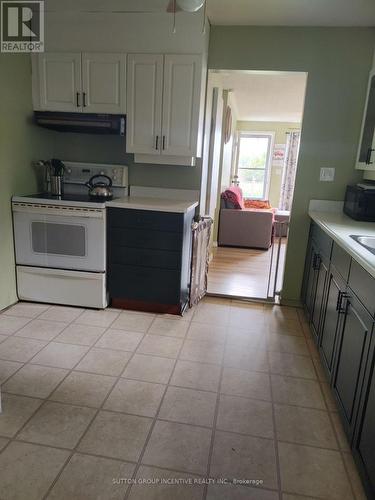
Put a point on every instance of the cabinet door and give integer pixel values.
(331, 320)
(365, 443)
(322, 273)
(60, 81)
(351, 360)
(144, 103)
(366, 157)
(181, 104)
(309, 279)
(104, 86)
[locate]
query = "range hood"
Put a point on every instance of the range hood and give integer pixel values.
(88, 123)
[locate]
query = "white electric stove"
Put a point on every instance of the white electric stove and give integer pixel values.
(60, 242)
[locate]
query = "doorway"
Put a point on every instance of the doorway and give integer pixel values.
(253, 131)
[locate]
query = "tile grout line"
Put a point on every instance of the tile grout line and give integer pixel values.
(339, 449)
(89, 347)
(24, 364)
(243, 434)
(95, 414)
(216, 414)
(45, 400)
(119, 377)
(153, 424)
(14, 438)
(276, 444)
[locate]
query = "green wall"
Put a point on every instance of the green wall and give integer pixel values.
(20, 143)
(111, 149)
(338, 61)
(280, 130)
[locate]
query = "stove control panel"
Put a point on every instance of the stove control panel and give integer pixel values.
(79, 173)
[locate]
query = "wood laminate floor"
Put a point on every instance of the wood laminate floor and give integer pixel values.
(243, 272)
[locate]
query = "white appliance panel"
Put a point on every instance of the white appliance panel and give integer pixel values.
(60, 237)
(59, 286)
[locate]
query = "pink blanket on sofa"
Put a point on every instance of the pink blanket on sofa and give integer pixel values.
(234, 196)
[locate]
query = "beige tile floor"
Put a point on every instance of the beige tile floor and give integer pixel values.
(120, 405)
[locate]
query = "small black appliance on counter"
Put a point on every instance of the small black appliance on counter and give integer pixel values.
(359, 202)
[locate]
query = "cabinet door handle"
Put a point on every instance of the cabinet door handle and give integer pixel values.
(77, 100)
(84, 99)
(341, 309)
(339, 300)
(163, 142)
(157, 143)
(368, 157)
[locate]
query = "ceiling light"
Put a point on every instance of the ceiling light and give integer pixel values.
(190, 5)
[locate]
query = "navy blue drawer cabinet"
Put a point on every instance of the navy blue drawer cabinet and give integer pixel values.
(149, 256)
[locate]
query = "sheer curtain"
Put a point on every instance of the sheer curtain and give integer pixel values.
(290, 169)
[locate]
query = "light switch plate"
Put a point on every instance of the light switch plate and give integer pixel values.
(327, 174)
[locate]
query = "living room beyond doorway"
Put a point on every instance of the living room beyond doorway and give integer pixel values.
(253, 144)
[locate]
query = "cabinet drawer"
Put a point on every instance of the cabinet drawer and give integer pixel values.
(146, 239)
(144, 283)
(363, 285)
(341, 261)
(322, 240)
(145, 219)
(140, 257)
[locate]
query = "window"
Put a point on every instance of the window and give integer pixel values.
(253, 164)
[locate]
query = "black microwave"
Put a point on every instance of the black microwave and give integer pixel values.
(359, 202)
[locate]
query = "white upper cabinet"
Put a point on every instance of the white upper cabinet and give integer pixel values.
(181, 104)
(88, 82)
(60, 81)
(144, 103)
(163, 105)
(103, 88)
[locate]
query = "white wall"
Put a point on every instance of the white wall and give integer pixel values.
(78, 26)
(211, 159)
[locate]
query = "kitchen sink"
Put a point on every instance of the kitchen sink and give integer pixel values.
(367, 242)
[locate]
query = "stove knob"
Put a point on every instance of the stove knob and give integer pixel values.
(114, 177)
(102, 172)
(114, 171)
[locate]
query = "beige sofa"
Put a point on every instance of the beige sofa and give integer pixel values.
(245, 228)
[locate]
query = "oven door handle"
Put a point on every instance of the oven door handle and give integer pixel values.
(62, 211)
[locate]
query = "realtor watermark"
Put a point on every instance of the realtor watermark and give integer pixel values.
(186, 481)
(22, 26)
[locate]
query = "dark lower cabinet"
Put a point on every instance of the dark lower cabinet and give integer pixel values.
(364, 447)
(316, 272)
(321, 278)
(309, 280)
(351, 358)
(339, 302)
(149, 256)
(331, 319)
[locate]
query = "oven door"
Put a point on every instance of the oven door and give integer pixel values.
(60, 237)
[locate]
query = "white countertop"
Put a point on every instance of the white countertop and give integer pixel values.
(154, 204)
(339, 227)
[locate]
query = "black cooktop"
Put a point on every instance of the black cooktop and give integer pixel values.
(69, 197)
